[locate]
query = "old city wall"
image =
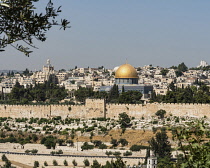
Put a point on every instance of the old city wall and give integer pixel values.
(147, 110)
(98, 108)
(92, 108)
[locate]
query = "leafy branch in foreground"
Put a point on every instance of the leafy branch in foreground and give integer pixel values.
(20, 23)
(194, 143)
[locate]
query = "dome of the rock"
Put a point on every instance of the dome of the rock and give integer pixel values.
(126, 71)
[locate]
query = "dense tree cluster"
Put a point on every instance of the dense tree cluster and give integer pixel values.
(180, 69)
(129, 97)
(189, 94)
(40, 93)
(49, 141)
(162, 149)
(164, 72)
(160, 145)
(118, 163)
(22, 138)
(206, 68)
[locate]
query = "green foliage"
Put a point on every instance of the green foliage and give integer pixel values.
(113, 94)
(193, 143)
(127, 153)
(40, 93)
(138, 147)
(184, 95)
(7, 164)
(21, 23)
(173, 67)
(124, 120)
(130, 97)
(114, 143)
(59, 152)
(27, 73)
(97, 143)
(178, 73)
(101, 95)
(55, 163)
(182, 67)
(27, 151)
(123, 142)
(172, 87)
(156, 98)
(102, 146)
(164, 72)
(82, 93)
(165, 162)
(4, 158)
(60, 142)
(86, 146)
(36, 164)
(34, 137)
(45, 163)
(34, 151)
(118, 163)
(89, 129)
(65, 163)
(160, 145)
(116, 153)
(86, 162)
(74, 162)
(206, 68)
(161, 113)
(70, 142)
(95, 164)
(49, 141)
(108, 153)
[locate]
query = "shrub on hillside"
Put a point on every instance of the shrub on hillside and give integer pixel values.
(138, 147)
(86, 146)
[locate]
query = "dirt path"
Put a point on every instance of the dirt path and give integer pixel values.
(20, 164)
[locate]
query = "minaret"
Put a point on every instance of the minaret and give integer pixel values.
(152, 160)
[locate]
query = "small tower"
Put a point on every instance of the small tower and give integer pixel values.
(152, 161)
(48, 67)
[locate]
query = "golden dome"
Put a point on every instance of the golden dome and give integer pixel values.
(126, 71)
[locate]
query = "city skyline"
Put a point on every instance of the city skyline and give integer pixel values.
(107, 33)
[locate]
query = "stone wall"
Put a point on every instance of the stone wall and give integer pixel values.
(98, 108)
(147, 110)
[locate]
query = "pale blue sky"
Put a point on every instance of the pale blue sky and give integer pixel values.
(157, 32)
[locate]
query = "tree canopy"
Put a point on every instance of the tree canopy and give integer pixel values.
(40, 93)
(161, 113)
(190, 94)
(193, 140)
(129, 97)
(182, 67)
(20, 23)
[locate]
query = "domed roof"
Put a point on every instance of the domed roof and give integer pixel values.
(126, 71)
(115, 69)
